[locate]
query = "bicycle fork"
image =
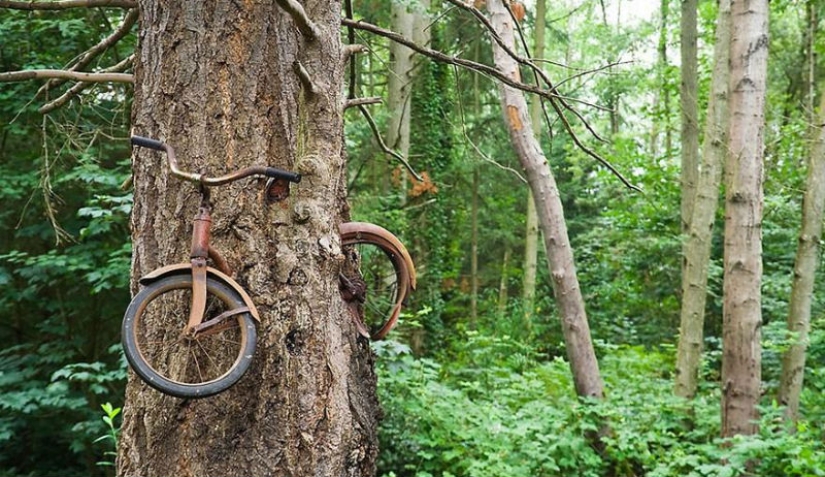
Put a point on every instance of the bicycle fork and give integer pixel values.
(200, 252)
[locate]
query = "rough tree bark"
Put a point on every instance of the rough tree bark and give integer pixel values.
(807, 259)
(698, 242)
(217, 80)
(742, 314)
(576, 330)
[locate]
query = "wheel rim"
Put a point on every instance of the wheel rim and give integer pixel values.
(380, 277)
(182, 359)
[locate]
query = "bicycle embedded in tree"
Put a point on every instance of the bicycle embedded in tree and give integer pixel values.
(206, 348)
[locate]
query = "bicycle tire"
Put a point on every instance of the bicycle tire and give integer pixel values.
(139, 352)
(363, 233)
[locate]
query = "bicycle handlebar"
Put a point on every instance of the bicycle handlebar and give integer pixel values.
(273, 172)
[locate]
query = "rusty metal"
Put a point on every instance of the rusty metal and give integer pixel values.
(363, 232)
(200, 233)
(220, 262)
(186, 268)
(276, 190)
(216, 325)
(198, 306)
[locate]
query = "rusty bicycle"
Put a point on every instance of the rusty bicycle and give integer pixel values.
(190, 332)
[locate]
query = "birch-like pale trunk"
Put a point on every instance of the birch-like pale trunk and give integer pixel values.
(576, 330)
(742, 313)
(698, 241)
(399, 83)
(807, 260)
(531, 233)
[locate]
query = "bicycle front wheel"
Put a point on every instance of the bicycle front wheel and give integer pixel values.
(195, 364)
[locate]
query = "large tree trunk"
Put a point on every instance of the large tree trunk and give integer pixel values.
(807, 259)
(576, 330)
(741, 357)
(698, 242)
(531, 240)
(217, 80)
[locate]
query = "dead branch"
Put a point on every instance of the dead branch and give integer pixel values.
(352, 49)
(303, 76)
(299, 16)
(65, 4)
(451, 60)
(76, 89)
(86, 57)
(362, 101)
(64, 74)
(383, 145)
(556, 101)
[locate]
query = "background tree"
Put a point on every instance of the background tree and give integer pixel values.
(742, 350)
(698, 244)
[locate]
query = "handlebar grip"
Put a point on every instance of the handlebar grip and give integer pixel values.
(147, 142)
(276, 173)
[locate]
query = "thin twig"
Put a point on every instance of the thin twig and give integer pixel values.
(86, 57)
(556, 101)
(473, 144)
(64, 4)
(383, 145)
(452, 60)
(76, 89)
(64, 74)
(299, 16)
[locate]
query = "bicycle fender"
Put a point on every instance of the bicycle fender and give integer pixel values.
(355, 231)
(186, 268)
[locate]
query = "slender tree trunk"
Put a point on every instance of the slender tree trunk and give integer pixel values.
(217, 80)
(531, 240)
(698, 242)
(399, 86)
(741, 357)
(580, 352)
(502, 285)
(474, 253)
(661, 98)
(690, 110)
(807, 259)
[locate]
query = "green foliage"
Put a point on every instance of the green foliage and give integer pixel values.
(110, 413)
(486, 413)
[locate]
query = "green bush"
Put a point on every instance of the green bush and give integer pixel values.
(495, 410)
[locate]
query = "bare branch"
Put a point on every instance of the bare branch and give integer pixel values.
(473, 144)
(303, 75)
(65, 4)
(383, 145)
(556, 101)
(63, 74)
(84, 59)
(299, 16)
(452, 60)
(76, 89)
(350, 50)
(362, 101)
